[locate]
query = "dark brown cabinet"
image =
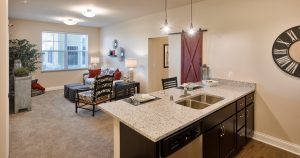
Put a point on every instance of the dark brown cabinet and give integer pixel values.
(250, 120)
(219, 142)
(241, 139)
(224, 132)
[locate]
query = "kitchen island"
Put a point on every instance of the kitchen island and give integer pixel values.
(161, 118)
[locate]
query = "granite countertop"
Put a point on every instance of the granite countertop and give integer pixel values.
(161, 118)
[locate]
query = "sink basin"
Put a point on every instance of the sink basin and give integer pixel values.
(192, 104)
(209, 99)
(200, 101)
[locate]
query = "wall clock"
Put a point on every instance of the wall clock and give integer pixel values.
(286, 51)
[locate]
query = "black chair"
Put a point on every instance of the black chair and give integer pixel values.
(169, 82)
(100, 93)
(124, 91)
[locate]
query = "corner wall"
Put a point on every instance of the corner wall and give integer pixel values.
(237, 46)
(4, 127)
(32, 30)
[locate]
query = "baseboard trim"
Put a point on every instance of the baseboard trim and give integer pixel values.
(54, 88)
(282, 144)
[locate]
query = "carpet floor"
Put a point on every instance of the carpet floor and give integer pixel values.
(53, 130)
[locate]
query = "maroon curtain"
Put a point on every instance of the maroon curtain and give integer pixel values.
(191, 57)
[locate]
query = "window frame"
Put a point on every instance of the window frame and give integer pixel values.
(65, 66)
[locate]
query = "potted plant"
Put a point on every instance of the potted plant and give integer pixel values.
(23, 60)
(21, 72)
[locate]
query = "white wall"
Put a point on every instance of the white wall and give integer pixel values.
(32, 31)
(175, 56)
(239, 40)
(4, 135)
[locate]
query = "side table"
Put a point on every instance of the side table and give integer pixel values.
(126, 89)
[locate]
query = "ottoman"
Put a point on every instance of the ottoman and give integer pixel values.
(72, 91)
(67, 87)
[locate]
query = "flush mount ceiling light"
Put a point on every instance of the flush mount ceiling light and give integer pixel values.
(70, 22)
(89, 13)
(191, 31)
(166, 27)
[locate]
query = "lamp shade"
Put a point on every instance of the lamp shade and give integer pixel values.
(95, 60)
(131, 63)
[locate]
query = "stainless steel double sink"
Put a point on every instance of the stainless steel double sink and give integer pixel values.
(200, 101)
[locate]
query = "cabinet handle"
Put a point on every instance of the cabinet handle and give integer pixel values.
(221, 131)
(241, 104)
(241, 116)
(224, 130)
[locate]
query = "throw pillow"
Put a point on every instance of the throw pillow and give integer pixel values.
(117, 74)
(37, 86)
(94, 73)
(105, 71)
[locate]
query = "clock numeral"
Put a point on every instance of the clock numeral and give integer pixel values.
(292, 35)
(292, 67)
(280, 51)
(283, 61)
(279, 40)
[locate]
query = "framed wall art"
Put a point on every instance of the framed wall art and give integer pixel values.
(166, 56)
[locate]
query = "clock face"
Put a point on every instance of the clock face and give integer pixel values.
(286, 51)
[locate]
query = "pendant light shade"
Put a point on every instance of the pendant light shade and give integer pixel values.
(166, 27)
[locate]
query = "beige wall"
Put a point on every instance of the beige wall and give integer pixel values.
(32, 30)
(4, 79)
(156, 68)
(238, 42)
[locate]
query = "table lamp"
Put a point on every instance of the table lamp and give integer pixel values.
(95, 61)
(130, 63)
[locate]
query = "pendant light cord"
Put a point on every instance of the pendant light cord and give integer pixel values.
(166, 11)
(191, 13)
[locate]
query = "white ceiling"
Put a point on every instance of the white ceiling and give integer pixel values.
(108, 11)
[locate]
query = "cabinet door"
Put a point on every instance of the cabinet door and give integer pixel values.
(228, 137)
(211, 143)
(249, 120)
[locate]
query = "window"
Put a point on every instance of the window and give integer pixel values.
(64, 51)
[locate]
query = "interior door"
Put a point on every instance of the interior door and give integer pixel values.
(191, 57)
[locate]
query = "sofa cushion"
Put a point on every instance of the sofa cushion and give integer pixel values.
(95, 72)
(105, 71)
(89, 81)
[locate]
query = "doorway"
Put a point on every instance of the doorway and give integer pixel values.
(158, 65)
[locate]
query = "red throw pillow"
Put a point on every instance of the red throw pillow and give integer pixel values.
(117, 75)
(94, 73)
(37, 86)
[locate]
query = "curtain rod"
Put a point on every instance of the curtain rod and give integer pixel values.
(175, 33)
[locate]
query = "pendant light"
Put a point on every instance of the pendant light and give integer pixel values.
(166, 28)
(191, 31)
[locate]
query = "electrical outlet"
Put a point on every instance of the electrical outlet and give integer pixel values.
(229, 75)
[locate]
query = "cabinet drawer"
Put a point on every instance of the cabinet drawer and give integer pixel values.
(241, 119)
(241, 139)
(240, 104)
(219, 116)
(249, 98)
